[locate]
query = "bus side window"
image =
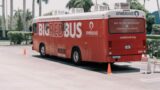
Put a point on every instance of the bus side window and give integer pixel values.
(34, 28)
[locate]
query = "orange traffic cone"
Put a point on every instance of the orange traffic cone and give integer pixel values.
(109, 70)
(24, 52)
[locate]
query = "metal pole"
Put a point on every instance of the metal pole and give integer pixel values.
(4, 19)
(33, 8)
(6, 15)
(24, 15)
(11, 14)
(1, 20)
(40, 7)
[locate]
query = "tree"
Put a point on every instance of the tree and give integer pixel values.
(18, 15)
(150, 22)
(150, 19)
(40, 5)
(156, 27)
(28, 19)
(28, 15)
(85, 4)
(136, 5)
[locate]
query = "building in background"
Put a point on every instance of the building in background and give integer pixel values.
(157, 18)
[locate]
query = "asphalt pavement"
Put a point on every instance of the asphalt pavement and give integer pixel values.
(31, 72)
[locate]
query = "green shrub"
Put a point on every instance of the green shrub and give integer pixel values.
(153, 37)
(153, 47)
(17, 37)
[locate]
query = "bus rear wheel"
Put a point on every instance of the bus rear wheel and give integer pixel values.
(42, 50)
(76, 56)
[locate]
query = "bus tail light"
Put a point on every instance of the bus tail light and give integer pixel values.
(110, 53)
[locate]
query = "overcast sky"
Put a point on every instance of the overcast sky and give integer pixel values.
(60, 5)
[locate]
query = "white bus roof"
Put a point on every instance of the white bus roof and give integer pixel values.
(118, 13)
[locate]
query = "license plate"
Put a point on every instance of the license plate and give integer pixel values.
(116, 57)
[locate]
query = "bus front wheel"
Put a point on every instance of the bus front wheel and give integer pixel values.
(76, 56)
(42, 50)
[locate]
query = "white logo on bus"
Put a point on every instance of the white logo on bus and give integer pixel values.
(91, 25)
(91, 32)
(73, 30)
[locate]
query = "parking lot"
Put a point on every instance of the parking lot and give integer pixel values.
(31, 72)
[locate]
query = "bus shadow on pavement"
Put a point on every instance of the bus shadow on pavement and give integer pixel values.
(96, 67)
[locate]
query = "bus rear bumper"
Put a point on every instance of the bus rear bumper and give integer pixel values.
(127, 58)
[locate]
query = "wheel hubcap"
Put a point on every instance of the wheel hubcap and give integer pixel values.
(42, 50)
(76, 56)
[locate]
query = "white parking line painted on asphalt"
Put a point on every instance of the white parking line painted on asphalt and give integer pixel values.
(150, 80)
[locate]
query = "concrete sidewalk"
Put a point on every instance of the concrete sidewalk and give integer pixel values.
(150, 65)
(7, 43)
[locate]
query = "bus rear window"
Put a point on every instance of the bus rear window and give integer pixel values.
(125, 25)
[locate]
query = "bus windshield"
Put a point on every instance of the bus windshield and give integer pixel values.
(126, 25)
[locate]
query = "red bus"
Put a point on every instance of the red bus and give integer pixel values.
(102, 36)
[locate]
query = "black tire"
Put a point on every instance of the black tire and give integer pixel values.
(42, 50)
(76, 56)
